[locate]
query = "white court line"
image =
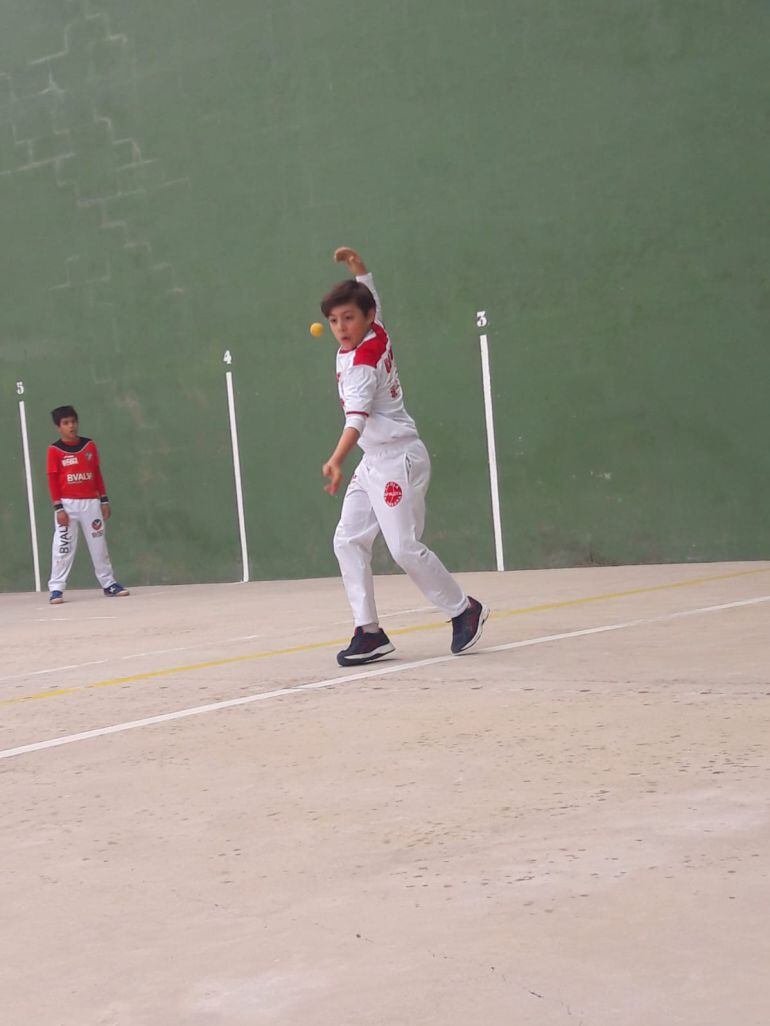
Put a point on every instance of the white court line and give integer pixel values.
(68, 619)
(384, 616)
(232, 703)
(95, 594)
(237, 470)
(30, 490)
(497, 524)
(333, 623)
(56, 669)
(189, 648)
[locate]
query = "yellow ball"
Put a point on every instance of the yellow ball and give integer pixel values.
(316, 329)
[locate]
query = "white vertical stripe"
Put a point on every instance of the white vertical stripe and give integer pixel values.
(492, 451)
(237, 472)
(30, 493)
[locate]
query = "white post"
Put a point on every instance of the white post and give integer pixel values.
(30, 492)
(237, 468)
(481, 321)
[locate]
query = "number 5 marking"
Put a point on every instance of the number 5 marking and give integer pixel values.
(481, 319)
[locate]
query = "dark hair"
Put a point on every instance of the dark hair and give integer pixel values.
(61, 412)
(349, 291)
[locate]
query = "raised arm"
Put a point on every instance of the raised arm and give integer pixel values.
(352, 259)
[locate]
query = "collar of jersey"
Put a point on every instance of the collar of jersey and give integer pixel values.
(369, 335)
(81, 444)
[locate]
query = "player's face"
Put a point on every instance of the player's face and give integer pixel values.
(349, 324)
(68, 429)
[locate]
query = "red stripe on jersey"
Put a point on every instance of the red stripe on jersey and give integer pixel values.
(352, 413)
(370, 352)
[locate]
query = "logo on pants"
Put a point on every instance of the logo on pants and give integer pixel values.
(96, 528)
(393, 493)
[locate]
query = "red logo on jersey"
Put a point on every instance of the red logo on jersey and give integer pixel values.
(393, 493)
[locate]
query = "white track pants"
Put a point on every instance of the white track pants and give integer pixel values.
(387, 493)
(85, 513)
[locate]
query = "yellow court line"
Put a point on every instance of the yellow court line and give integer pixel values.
(499, 614)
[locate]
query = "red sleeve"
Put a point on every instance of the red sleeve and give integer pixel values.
(98, 479)
(54, 486)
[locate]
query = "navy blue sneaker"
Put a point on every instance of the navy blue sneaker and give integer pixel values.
(467, 627)
(56, 598)
(364, 648)
(116, 591)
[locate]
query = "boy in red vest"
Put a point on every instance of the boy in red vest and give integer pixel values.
(79, 499)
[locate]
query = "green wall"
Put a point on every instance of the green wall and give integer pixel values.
(174, 175)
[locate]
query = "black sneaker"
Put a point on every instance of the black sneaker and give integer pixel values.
(467, 627)
(363, 648)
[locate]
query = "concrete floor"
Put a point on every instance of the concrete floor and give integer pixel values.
(569, 831)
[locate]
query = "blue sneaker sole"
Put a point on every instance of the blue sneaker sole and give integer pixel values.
(368, 657)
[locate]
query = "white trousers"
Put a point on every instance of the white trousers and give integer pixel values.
(387, 493)
(85, 513)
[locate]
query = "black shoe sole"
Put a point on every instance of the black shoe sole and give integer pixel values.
(369, 657)
(483, 615)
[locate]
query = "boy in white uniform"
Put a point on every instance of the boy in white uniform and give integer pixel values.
(388, 489)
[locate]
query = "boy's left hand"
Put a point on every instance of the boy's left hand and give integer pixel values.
(347, 255)
(106, 511)
(333, 471)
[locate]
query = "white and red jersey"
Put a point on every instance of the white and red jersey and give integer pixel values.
(73, 471)
(369, 389)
